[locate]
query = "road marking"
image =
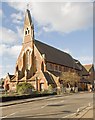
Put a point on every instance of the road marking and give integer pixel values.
(4, 117)
(44, 106)
(69, 115)
(5, 107)
(83, 108)
(52, 104)
(58, 97)
(9, 115)
(62, 101)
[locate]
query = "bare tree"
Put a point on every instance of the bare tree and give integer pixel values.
(69, 79)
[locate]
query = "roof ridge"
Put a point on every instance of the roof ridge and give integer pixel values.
(52, 47)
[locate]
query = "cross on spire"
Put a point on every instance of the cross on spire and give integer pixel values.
(27, 5)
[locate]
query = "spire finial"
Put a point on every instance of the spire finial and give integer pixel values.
(27, 5)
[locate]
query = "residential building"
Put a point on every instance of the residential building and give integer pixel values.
(91, 71)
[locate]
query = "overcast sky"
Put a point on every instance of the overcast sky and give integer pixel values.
(67, 26)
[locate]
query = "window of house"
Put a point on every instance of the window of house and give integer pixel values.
(51, 66)
(72, 70)
(65, 69)
(56, 67)
(60, 68)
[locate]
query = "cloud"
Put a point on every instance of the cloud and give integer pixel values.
(63, 17)
(85, 59)
(10, 52)
(8, 57)
(20, 32)
(9, 36)
(19, 6)
(17, 17)
(15, 50)
(67, 50)
(59, 16)
(4, 69)
(51, 1)
(1, 13)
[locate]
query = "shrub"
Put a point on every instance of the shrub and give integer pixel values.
(50, 89)
(45, 91)
(25, 88)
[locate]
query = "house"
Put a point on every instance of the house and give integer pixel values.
(7, 82)
(85, 82)
(91, 71)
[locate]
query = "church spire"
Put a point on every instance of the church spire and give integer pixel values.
(28, 27)
(28, 15)
(28, 20)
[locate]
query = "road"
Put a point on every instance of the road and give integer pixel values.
(53, 107)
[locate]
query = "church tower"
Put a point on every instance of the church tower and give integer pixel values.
(28, 44)
(26, 60)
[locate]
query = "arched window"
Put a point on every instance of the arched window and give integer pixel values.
(42, 66)
(27, 31)
(24, 60)
(27, 59)
(17, 68)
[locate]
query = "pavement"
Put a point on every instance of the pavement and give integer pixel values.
(14, 102)
(83, 113)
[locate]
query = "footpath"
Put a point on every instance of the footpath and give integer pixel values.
(85, 113)
(14, 102)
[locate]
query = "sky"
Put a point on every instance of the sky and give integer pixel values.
(67, 26)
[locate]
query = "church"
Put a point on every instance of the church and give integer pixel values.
(39, 63)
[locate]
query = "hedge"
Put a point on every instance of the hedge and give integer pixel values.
(19, 97)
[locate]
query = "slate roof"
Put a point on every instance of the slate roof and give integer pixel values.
(55, 73)
(56, 56)
(84, 72)
(49, 78)
(10, 76)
